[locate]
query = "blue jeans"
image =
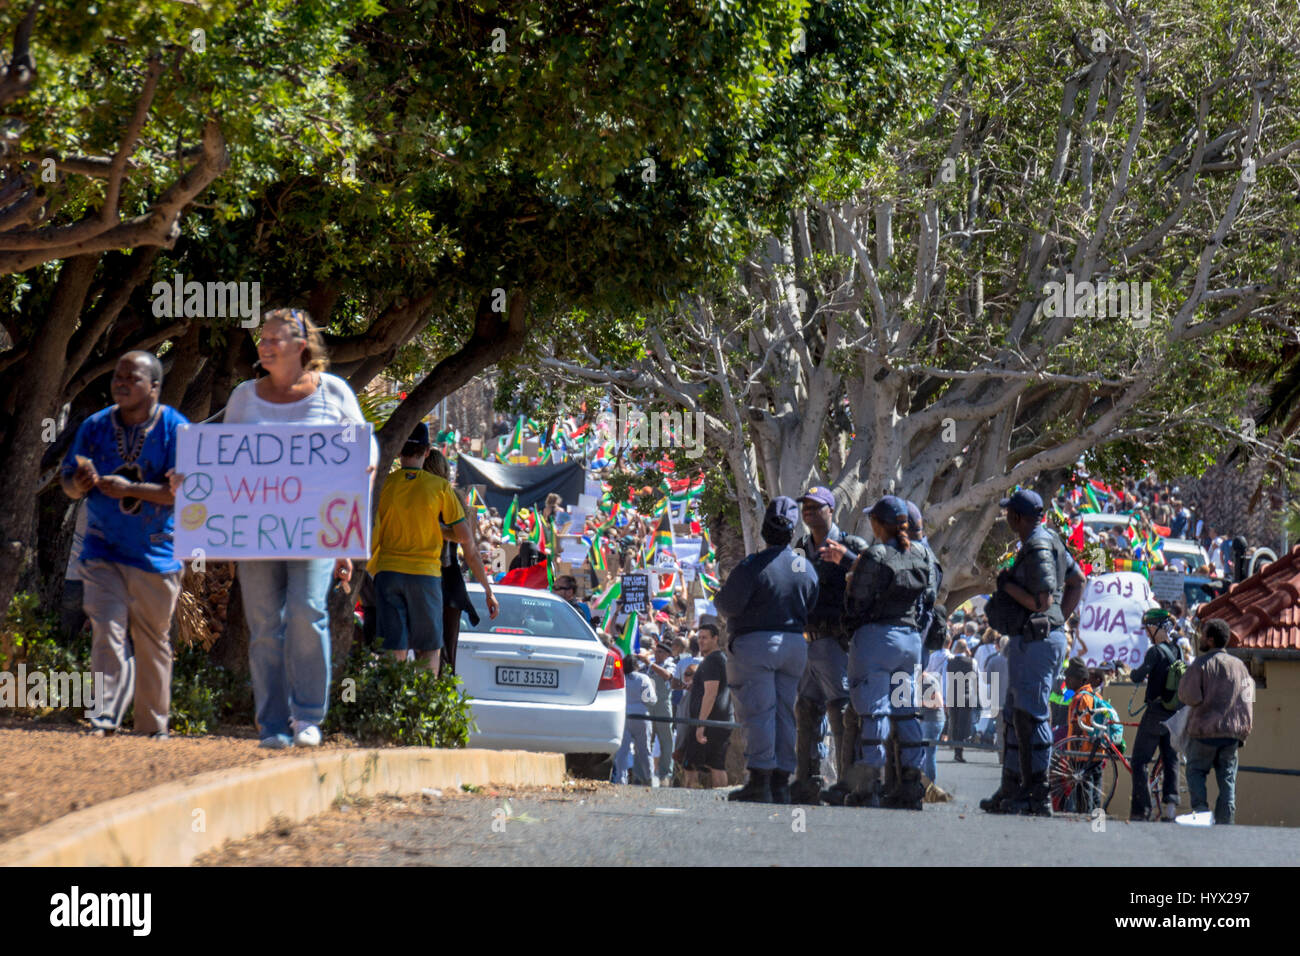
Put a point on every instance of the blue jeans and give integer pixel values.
(884, 674)
(932, 721)
(763, 672)
(1222, 756)
(634, 753)
(285, 603)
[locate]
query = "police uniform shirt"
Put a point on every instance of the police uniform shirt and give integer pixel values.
(925, 610)
(826, 616)
(1044, 564)
(771, 590)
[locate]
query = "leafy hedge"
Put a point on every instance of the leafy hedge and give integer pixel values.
(376, 699)
(379, 699)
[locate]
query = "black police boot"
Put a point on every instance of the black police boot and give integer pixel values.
(834, 795)
(808, 789)
(910, 794)
(780, 786)
(850, 779)
(867, 793)
(1018, 799)
(1034, 800)
(757, 789)
(1009, 787)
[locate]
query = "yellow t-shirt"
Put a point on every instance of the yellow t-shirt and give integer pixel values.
(412, 507)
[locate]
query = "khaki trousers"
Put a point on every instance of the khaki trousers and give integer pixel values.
(130, 613)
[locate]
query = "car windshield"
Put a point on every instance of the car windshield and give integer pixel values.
(527, 616)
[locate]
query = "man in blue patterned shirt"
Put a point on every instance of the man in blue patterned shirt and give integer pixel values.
(120, 462)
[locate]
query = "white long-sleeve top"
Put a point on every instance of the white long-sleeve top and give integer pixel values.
(333, 403)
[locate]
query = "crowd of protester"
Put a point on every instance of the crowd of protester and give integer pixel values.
(680, 677)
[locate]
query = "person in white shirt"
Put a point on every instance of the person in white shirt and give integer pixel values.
(285, 601)
(987, 648)
(938, 662)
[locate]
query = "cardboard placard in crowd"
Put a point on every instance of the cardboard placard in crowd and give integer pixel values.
(273, 491)
(635, 595)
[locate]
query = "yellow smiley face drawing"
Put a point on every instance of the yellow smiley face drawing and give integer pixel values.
(193, 516)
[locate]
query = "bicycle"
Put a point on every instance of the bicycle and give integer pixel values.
(1077, 771)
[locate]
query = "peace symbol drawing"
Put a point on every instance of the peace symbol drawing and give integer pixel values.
(197, 486)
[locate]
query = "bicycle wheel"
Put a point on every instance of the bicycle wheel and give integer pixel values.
(1076, 775)
(1156, 784)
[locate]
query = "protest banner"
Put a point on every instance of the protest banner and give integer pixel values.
(273, 491)
(635, 595)
(1110, 618)
(1168, 585)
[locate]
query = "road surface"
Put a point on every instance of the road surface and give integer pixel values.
(641, 826)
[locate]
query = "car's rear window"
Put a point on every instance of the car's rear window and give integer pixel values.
(528, 616)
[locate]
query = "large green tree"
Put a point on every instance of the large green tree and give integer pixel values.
(120, 116)
(908, 338)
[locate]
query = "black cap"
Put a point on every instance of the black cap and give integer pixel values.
(1024, 502)
(783, 509)
(890, 510)
(420, 436)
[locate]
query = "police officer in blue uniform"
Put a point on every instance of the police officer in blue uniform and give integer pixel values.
(925, 616)
(886, 587)
(766, 601)
(824, 688)
(1047, 583)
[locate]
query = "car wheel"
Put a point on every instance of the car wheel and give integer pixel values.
(589, 766)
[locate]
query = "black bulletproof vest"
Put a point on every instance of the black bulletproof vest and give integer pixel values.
(890, 592)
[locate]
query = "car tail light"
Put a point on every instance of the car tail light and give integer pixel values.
(612, 678)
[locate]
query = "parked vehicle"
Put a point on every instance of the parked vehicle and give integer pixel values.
(538, 677)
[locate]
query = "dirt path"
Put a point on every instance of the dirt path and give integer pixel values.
(50, 770)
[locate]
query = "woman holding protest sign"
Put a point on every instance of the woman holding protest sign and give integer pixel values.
(285, 601)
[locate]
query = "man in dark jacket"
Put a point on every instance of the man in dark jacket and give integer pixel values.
(824, 687)
(1160, 706)
(1219, 689)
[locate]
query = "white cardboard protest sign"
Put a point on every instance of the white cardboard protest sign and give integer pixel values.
(1110, 618)
(273, 491)
(573, 550)
(1168, 585)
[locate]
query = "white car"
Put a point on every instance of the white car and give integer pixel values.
(1186, 554)
(538, 676)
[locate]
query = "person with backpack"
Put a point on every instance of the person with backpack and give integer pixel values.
(1083, 720)
(1162, 669)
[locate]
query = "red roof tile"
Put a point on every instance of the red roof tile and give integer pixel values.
(1263, 611)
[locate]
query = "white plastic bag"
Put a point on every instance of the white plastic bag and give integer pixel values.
(1176, 727)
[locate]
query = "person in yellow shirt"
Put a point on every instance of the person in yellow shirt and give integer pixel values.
(406, 561)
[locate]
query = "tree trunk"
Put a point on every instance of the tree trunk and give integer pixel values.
(231, 649)
(187, 361)
(30, 408)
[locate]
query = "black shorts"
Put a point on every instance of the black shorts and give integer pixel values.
(710, 755)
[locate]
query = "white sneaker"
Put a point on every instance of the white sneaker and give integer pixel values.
(1203, 819)
(1171, 811)
(308, 735)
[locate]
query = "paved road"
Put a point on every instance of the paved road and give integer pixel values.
(642, 826)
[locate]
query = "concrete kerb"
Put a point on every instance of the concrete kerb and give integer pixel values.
(171, 824)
